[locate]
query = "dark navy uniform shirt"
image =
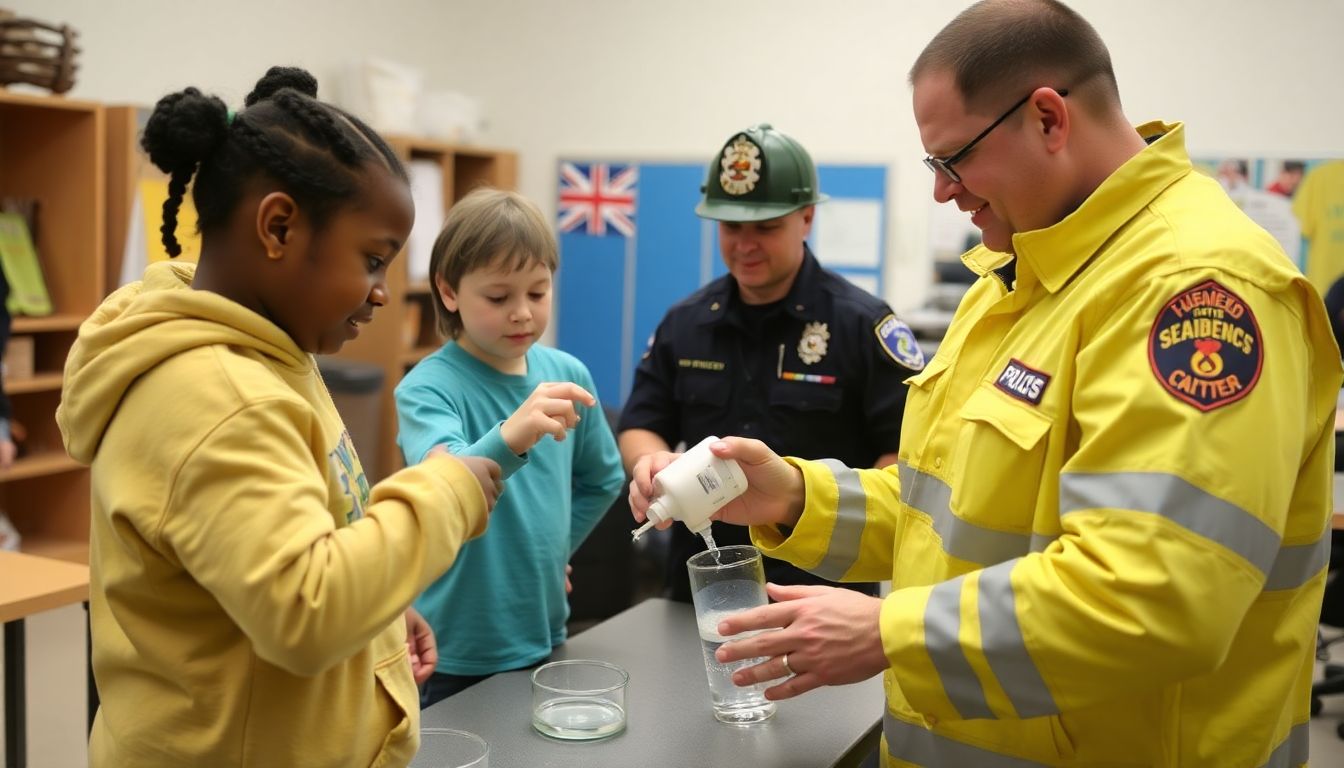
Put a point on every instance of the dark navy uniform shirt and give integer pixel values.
(811, 376)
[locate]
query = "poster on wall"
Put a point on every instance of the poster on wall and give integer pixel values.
(1300, 201)
(144, 243)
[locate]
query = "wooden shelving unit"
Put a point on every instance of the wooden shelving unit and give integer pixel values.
(53, 150)
(403, 331)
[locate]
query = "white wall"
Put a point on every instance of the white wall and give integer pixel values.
(672, 80)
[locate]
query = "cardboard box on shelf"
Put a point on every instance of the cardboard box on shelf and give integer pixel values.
(18, 358)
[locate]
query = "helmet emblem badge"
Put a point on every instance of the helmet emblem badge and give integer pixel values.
(741, 164)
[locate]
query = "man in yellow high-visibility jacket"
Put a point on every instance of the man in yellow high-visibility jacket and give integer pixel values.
(1108, 526)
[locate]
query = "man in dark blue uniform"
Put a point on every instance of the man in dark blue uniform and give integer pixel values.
(779, 349)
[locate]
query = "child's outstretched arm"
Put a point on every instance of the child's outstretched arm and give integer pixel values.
(250, 518)
(428, 417)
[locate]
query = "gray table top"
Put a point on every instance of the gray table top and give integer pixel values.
(669, 720)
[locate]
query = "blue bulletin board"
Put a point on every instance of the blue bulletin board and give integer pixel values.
(631, 246)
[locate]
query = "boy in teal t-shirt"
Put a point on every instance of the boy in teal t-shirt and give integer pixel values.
(492, 392)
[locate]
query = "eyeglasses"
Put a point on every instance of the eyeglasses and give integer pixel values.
(944, 164)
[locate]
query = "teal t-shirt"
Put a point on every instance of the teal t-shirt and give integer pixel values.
(502, 604)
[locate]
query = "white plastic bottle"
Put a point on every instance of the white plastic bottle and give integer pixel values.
(694, 487)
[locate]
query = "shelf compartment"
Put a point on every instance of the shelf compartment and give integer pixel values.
(39, 465)
(42, 382)
(46, 324)
(54, 153)
(50, 510)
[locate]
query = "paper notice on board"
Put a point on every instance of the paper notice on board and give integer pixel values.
(427, 192)
(152, 194)
(849, 233)
(133, 253)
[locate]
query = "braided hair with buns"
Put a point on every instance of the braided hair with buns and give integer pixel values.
(314, 151)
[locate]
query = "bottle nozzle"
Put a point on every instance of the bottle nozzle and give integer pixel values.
(635, 534)
(657, 513)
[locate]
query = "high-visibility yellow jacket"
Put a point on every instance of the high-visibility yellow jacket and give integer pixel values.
(1108, 529)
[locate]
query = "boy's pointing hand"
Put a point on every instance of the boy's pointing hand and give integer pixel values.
(550, 410)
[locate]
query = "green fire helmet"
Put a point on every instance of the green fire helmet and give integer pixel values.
(759, 174)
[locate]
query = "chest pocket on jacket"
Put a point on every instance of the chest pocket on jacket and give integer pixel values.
(919, 399)
(806, 396)
(704, 388)
(923, 381)
(1000, 456)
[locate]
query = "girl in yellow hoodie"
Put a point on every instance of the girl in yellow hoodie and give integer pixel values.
(248, 585)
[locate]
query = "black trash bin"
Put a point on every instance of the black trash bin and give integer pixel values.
(356, 388)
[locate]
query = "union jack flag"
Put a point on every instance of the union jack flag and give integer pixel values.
(596, 195)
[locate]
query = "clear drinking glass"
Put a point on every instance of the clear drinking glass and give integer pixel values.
(725, 581)
(449, 748)
(579, 699)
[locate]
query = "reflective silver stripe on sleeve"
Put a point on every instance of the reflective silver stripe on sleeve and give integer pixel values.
(851, 514)
(921, 746)
(1040, 541)
(942, 623)
(1294, 749)
(1006, 649)
(1296, 564)
(1178, 501)
(961, 539)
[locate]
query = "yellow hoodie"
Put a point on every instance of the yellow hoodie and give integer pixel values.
(248, 585)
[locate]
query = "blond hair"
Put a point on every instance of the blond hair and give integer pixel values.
(489, 227)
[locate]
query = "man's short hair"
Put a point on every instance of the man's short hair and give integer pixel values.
(999, 50)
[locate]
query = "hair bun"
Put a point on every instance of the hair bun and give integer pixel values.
(185, 128)
(278, 78)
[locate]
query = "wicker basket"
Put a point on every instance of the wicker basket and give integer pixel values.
(37, 53)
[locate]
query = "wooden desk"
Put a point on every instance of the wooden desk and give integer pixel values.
(29, 585)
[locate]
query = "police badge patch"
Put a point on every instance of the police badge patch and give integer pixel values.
(812, 347)
(898, 341)
(1204, 347)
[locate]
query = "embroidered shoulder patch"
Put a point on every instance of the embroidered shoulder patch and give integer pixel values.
(1205, 347)
(898, 341)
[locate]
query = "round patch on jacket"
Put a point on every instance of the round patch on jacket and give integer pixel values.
(898, 341)
(1205, 347)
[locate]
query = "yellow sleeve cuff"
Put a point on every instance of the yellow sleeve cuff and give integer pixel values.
(807, 543)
